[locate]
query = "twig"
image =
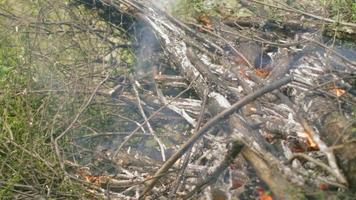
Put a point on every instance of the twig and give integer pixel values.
(197, 34)
(210, 77)
(4, 184)
(130, 120)
(81, 110)
(161, 146)
(229, 158)
(317, 162)
(248, 63)
(315, 139)
(290, 9)
(186, 159)
(263, 41)
(174, 108)
(222, 115)
(106, 134)
(33, 154)
(353, 64)
(149, 118)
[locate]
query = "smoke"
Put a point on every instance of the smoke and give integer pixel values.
(166, 5)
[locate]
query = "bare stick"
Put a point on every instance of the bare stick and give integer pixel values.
(222, 115)
(161, 146)
(81, 110)
(186, 159)
(248, 63)
(353, 64)
(149, 118)
(290, 9)
(174, 108)
(229, 158)
(33, 154)
(317, 162)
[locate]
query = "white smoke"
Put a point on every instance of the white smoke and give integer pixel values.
(166, 5)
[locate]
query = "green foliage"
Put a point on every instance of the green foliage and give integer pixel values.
(186, 9)
(26, 155)
(343, 10)
(48, 69)
(197, 5)
(8, 58)
(353, 11)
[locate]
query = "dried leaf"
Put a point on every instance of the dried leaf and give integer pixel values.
(323, 186)
(204, 19)
(338, 91)
(262, 73)
(92, 179)
(237, 183)
(97, 180)
(263, 195)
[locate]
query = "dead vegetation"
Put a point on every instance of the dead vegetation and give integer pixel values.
(134, 103)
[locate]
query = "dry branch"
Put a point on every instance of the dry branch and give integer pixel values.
(190, 50)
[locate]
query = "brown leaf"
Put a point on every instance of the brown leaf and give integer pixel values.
(263, 195)
(204, 19)
(237, 183)
(262, 73)
(97, 180)
(338, 91)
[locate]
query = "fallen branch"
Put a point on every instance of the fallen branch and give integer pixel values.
(247, 99)
(115, 154)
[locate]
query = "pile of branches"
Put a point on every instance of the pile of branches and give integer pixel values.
(285, 112)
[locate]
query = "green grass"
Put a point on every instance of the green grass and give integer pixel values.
(342, 10)
(50, 56)
(26, 153)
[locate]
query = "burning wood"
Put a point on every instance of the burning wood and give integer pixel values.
(251, 93)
